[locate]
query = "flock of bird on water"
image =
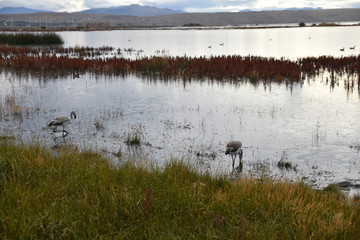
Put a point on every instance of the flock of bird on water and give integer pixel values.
(351, 48)
(233, 148)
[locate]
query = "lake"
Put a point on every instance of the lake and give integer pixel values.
(310, 125)
(290, 43)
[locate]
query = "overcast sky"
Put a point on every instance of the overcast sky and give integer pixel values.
(186, 5)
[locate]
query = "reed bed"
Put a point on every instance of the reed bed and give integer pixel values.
(30, 38)
(55, 61)
(233, 67)
(73, 195)
(350, 64)
(80, 52)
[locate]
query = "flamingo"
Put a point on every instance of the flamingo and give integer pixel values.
(62, 121)
(234, 148)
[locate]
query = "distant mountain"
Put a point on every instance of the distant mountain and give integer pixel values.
(19, 10)
(237, 19)
(292, 9)
(305, 8)
(246, 10)
(132, 10)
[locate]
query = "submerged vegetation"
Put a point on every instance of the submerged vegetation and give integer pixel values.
(71, 195)
(64, 61)
(30, 38)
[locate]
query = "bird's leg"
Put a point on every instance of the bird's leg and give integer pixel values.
(240, 163)
(240, 167)
(66, 133)
(240, 156)
(233, 160)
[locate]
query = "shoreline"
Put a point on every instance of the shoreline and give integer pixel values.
(185, 28)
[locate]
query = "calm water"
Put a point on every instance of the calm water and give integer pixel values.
(290, 43)
(310, 125)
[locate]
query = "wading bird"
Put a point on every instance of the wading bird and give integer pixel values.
(62, 121)
(234, 148)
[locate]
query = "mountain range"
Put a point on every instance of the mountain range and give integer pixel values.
(145, 16)
(19, 10)
(130, 10)
(133, 10)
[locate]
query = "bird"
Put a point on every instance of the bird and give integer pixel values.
(62, 121)
(234, 148)
(352, 48)
(76, 75)
(342, 49)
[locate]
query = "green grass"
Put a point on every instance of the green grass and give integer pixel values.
(72, 195)
(30, 38)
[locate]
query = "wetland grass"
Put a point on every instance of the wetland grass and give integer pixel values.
(133, 140)
(30, 38)
(11, 108)
(62, 61)
(80, 195)
(133, 137)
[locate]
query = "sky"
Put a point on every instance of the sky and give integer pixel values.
(185, 5)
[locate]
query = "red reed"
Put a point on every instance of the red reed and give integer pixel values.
(62, 61)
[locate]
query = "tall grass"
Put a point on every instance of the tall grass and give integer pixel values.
(72, 195)
(30, 38)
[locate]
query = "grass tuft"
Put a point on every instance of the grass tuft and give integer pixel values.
(133, 137)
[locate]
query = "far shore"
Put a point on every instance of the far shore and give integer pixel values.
(200, 27)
